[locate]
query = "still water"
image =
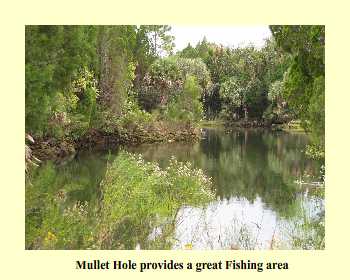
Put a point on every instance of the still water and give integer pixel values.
(259, 203)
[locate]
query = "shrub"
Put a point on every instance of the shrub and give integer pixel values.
(187, 106)
(136, 194)
(132, 114)
(50, 222)
(166, 78)
(136, 197)
(196, 68)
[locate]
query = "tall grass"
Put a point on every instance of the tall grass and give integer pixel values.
(139, 195)
(136, 197)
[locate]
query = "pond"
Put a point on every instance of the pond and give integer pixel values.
(259, 202)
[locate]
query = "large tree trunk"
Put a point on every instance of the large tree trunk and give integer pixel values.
(113, 64)
(104, 83)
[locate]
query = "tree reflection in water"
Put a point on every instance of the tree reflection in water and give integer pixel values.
(254, 174)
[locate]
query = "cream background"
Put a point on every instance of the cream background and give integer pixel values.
(19, 263)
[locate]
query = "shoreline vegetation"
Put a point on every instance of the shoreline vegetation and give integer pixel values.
(102, 87)
(160, 132)
(136, 196)
(61, 149)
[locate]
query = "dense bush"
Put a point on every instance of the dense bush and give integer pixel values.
(304, 83)
(196, 68)
(165, 68)
(136, 197)
(278, 110)
(51, 223)
(138, 194)
(276, 93)
(242, 99)
(232, 95)
(72, 112)
(54, 56)
(166, 81)
(134, 116)
(187, 105)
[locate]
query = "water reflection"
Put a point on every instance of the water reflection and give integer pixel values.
(257, 201)
(254, 174)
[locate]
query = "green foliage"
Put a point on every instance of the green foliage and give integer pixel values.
(85, 90)
(278, 109)
(137, 194)
(304, 80)
(135, 197)
(276, 62)
(74, 71)
(219, 62)
(66, 76)
(133, 115)
(105, 120)
(315, 151)
(159, 85)
(72, 112)
(175, 68)
(187, 106)
(243, 97)
(308, 232)
(232, 94)
(253, 69)
(165, 68)
(151, 42)
(165, 82)
(201, 50)
(188, 52)
(160, 40)
(275, 92)
(50, 223)
(240, 80)
(115, 69)
(54, 55)
(196, 68)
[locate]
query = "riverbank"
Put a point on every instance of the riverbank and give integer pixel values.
(293, 125)
(251, 170)
(57, 149)
(50, 148)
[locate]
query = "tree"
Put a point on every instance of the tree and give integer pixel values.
(160, 40)
(275, 95)
(54, 56)
(115, 68)
(233, 96)
(144, 55)
(188, 52)
(166, 79)
(242, 99)
(304, 86)
(186, 105)
(276, 62)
